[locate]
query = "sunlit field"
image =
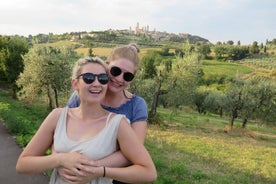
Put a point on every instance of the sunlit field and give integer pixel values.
(193, 148)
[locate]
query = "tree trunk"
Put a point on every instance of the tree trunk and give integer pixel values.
(220, 111)
(244, 122)
(231, 124)
(49, 98)
(154, 104)
(56, 97)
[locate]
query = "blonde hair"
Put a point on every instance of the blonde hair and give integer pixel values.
(83, 61)
(129, 52)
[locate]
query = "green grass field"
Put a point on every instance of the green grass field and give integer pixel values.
(193, 148)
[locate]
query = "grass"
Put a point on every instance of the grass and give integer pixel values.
(21, 119)
(222, 68)
(187, 148)
(193, 148)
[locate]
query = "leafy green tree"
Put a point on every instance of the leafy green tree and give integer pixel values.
(204, 50)
(234, 101)
(148, 63)
(199, 97)
(47, 71)
(230, 42)
(237, 52)
(17, 47)
(11, 62)
(184, 78)
(215, 102)
(220, 51)
(263, 93)
(254, 49)
(4, 54)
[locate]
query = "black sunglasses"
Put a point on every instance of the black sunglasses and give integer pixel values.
(89, 78)
(116, 71)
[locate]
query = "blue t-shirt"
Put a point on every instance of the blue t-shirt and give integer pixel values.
(134, 109)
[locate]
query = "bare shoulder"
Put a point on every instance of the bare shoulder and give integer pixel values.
(56, 112)
(53, 116)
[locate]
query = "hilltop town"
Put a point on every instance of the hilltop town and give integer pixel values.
(146, 32)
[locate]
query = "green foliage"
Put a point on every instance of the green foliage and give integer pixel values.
(230, 52)
(21, 119)
(11, 62)
(149, 62)
(184, 77)
(47, 71)
(254, 49)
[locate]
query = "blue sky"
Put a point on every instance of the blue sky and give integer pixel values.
(215, 20)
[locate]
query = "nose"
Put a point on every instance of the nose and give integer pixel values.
(96, 81)
(121, 76)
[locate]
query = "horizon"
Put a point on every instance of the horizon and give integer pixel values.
(216, 20)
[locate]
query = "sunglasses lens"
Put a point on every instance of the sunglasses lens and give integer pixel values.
(103, 78)
(115, 71)
(88, 78)
(128, 76)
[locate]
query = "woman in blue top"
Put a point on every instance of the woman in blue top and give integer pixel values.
(123, 63)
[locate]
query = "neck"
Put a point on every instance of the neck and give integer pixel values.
(114, 99)
(91, 111)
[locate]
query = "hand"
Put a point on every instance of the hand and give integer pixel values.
(71, 177)
(77, 168)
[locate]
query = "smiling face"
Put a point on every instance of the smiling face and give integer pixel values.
(117, 83)
(95, 91)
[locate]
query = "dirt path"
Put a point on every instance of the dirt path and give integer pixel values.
(9, 152)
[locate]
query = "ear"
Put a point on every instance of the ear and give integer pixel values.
(75, 84)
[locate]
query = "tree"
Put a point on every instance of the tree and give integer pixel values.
(215, 102)
(204, 50)
(47, 71)
(254, 49)
(184, 78)
(220, 51)
(90, 52)
(148, 63)
(4, 54)
(17, 47)
(234, 101)
(230, 42)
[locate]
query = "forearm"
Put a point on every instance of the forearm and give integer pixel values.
(37, 164)
(116, 159)
(131, 174)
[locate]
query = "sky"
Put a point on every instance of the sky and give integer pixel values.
(216, 20)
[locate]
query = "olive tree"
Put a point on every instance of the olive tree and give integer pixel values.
(47, 71)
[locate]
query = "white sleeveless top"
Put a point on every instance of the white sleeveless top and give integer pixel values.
(97, 147)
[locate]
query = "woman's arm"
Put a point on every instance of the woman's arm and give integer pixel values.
(117, 159)
(33, 159)
(142, 168)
